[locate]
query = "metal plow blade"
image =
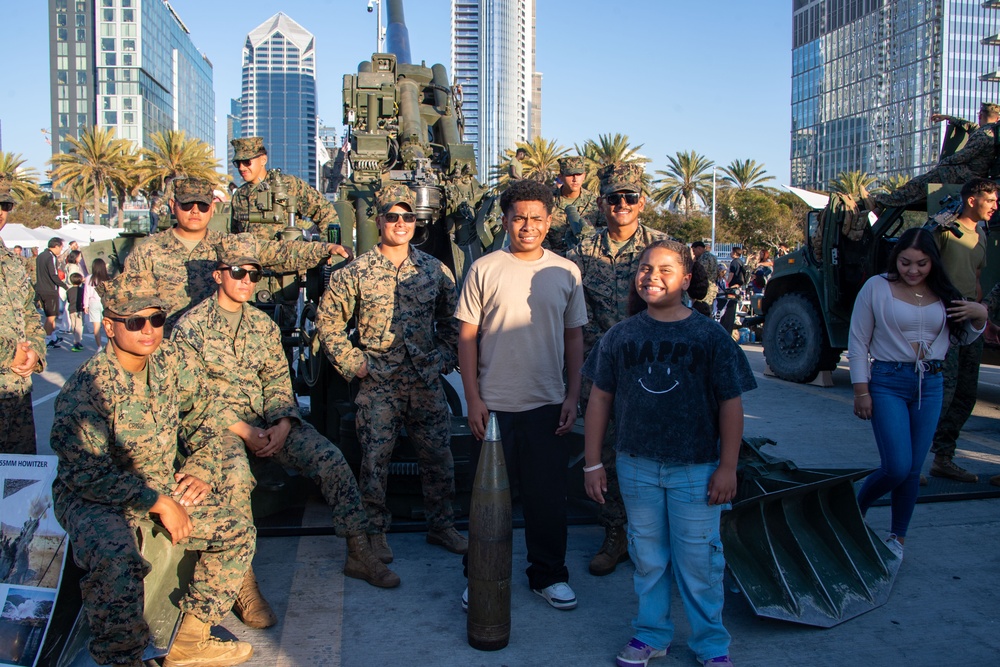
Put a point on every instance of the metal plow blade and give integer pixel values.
(797, 545)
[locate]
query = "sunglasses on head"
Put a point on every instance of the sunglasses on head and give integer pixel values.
(407, 217)
(7, 206)
(138, 322)
(615, 198)
(239, 273)
(191, 204)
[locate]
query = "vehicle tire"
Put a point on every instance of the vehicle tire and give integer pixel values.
(794, 340)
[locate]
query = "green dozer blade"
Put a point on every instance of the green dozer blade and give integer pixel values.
(797, 545)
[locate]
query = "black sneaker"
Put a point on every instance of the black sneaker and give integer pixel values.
(77, 348)
(53, 343)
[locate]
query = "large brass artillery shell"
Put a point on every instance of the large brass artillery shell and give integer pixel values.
(490, 547)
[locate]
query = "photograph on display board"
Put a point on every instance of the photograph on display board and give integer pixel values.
(26, 613)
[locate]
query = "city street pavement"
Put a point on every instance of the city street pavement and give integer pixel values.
(942, 610)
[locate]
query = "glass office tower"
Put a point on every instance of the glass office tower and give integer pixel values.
(868, 74)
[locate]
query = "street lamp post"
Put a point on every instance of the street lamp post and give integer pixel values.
(714, 168)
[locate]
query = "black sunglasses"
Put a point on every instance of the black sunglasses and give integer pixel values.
(407, 217)
(615, 198)
(239, 273)
(191, 204)
(241, 163)
(138, 322)
(7, 206)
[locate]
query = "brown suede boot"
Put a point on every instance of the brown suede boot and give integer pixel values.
(195, 646)
(250, 606)
(944, 466)
(613, 551)
(450, 539)
(380, 546)
(362, 564)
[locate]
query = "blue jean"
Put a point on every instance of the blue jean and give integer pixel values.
(670, 523)
(904, 424)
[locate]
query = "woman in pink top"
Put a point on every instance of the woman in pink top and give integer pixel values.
(901, 327)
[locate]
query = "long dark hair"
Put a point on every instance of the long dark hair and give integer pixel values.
(937, 280)
(699, 279)
(98, 273)
(73, 257)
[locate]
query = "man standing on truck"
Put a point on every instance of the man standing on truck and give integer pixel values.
(963, 258)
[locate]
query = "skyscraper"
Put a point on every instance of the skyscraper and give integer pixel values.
(868, 74)
(279, 94)
(234, 130)
(128, 65)
(492, 57)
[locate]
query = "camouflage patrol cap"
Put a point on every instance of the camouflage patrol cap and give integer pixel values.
(569, 166)
(5, 196)
(248, 148)
(234, 251)
(621, 177)
(187, 190)
(990, 108)
(392, 194)
(128, 293)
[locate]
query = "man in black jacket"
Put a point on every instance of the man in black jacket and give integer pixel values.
(47, 284)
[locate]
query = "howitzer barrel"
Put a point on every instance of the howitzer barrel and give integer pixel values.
(397, 37)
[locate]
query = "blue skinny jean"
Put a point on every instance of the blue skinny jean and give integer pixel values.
(672, 526)
(904, 417)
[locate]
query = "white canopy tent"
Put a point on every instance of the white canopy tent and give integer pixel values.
(13, 235)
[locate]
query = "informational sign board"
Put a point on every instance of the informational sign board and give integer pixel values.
(33, 548)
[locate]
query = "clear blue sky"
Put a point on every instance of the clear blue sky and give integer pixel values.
(674, 75)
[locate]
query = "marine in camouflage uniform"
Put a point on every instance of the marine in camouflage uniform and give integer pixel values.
(310, 205)
(19, 325)
(404, 301)
(564, 234)
(710, 263)
(182, 269)
(115, 433)
(608, 268)
(241, 351)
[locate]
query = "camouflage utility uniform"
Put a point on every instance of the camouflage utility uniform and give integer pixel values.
(309, 203)
(115, 434)
(973, 161)
(408, 335)
(248, 372)
(607, 276)
(710, 263)
(183, 278)
(562, 237)
(19, 322)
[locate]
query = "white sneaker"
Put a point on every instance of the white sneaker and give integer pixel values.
(895, 546)
(559, 595)
(465, 600)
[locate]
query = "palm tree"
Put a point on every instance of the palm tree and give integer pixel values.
(78, 192)
(607, 149)
(23, 180)
(95, 157)
(745, 175)
(854, 183)
(541, 164)
(687, 179)
(894, 183)
(174, 155)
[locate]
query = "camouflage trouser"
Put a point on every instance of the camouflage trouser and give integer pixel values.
(612, 513)
(916, 188)
(17, 425)
(961, 383)
(104, 544)
(383, 408)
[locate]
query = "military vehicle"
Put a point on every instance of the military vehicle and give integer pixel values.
(808, 300)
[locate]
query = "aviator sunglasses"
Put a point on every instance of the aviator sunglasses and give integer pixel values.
(630, 198)
(239, 273)
(407, 217)
(138, 322)
(187, 206)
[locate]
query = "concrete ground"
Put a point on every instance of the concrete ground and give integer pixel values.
(942, 610)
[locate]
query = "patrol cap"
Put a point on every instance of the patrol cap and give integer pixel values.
(128, 293)
(5, 196)
(392, 194)
(236, 252)
(187, 190)
(621, 177)
(568, 166)
(248, 148)
(990, 108)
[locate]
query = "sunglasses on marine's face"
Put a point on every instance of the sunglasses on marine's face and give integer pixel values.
(630, 198)
(239, 273)
(191, 204)
(7, 206)
(407, 217)
(138, 322)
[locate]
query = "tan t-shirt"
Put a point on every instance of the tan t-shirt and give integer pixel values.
(962, 257)
(523, 310)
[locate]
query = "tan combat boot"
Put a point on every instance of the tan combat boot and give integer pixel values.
(195, 646)
(449, 538)
(944, 466)
(362, 564)
(381, 547)
(613, 551)
(250, 606)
